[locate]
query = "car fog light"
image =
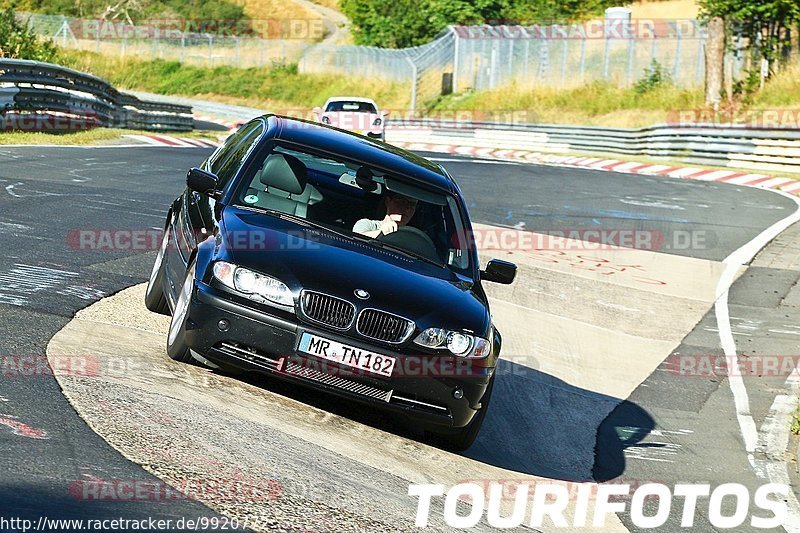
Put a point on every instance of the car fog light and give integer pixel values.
(223, 325)
(458, 394)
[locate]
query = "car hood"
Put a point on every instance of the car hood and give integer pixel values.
(314, 259)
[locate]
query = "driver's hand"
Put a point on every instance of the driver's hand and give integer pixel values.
(389, 224)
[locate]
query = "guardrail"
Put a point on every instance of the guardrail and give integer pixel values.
(765, 149)
(44, 96)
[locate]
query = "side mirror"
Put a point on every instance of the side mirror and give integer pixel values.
(499, 271)
(202, 182)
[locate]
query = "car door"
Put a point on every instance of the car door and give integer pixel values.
(193, 216)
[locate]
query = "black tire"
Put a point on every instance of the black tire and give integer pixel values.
(464, 438)
(154, 298)
(176, 336)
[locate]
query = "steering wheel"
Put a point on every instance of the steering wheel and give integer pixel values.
(414, 240)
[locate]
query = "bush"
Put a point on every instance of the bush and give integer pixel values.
(17, 41)
(655, 77)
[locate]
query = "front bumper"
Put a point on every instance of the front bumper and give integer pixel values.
(256, 340)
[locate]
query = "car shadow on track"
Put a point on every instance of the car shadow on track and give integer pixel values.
(537, 424)
(540, 425)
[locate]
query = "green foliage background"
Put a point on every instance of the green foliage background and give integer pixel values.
(767, 20)
(192, 9)
(18, 42)
(402, 23)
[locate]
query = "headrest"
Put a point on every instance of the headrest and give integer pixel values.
(284, 172)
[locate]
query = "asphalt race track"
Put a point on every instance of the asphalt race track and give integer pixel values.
(587, 392)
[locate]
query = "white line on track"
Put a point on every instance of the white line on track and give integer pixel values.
(774, 471)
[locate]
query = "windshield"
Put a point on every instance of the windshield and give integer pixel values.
(360, 202)
(353, 107)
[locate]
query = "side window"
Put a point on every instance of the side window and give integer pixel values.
(226, 162)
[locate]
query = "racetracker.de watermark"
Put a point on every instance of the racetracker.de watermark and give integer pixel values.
(756, 119)
(745, 366)
(595, 29)
(209, 28)
(69, 365)
(581, 239)
(236, 490)
(489, 239)
(13, 121)
(148, 240)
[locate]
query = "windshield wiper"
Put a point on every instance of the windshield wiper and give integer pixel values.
(403, 251)
(294, 218)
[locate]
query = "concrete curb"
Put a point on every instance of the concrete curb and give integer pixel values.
(173, 142)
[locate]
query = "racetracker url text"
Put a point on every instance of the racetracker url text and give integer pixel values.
(203, 523)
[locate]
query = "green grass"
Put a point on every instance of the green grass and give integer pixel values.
(795, 427)
(602, 104)
(595, 104)
(283, 89)
(96, 136)
(274, 88)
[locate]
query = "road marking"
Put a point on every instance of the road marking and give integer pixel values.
(651, 203)
(10, 190)
(23, 281)
(21, 429)
(652, 450)
(776, 473)
(773, 441)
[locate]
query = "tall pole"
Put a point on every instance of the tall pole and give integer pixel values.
(456, 51)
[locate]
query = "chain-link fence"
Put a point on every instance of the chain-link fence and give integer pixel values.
(487, 57)
(166, 39)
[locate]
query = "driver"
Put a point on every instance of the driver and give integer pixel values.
(399, 211)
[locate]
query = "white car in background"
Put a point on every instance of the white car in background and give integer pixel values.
(359, 115)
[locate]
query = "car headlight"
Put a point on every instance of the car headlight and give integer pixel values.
(326, 120)
(252, 283)
(460, 344)
(377, 122)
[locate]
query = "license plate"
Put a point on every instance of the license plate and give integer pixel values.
(346, 355)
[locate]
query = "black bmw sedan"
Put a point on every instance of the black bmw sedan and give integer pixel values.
(336, 262)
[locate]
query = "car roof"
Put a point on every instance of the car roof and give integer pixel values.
(362, 149)
(350, 99)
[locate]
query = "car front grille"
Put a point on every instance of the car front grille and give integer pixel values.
(383, 326)
(327, 310)
(340, 383)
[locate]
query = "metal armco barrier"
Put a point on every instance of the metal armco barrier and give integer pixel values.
(766, 149)
(44, 96)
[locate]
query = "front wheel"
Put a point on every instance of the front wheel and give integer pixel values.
(154, 298)
(464, 437)
(176, 338)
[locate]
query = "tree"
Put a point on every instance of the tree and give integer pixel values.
(402, 23)
(715, 60)
(765, 24)
(17, 41)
